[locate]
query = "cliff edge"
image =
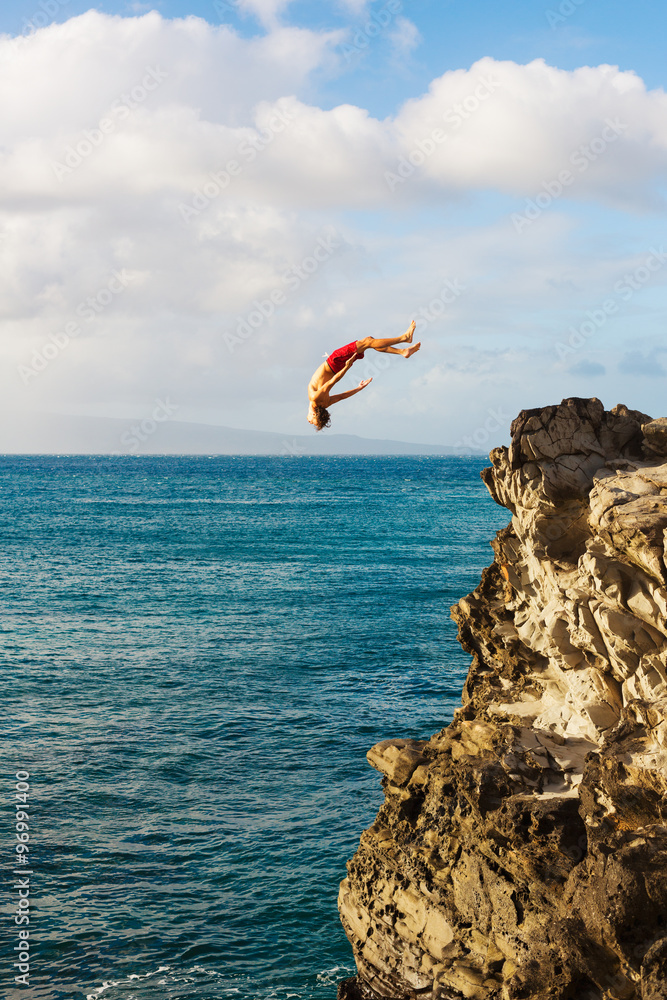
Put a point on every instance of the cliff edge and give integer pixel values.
(521, 852)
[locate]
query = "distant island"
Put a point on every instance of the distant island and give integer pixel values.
(53, 434)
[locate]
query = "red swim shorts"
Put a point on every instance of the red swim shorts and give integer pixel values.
(340, 358)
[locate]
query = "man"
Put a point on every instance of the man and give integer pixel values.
(340, 362)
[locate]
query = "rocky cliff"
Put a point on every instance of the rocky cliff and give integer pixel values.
(521, 852)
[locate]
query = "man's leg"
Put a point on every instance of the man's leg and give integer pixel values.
(386, 346)
(406, 352)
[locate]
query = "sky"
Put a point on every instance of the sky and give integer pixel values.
(200, 200)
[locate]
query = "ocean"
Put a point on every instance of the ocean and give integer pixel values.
(197, 654)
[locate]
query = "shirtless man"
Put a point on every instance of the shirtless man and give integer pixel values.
(338, 363)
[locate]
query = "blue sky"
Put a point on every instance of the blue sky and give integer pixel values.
(483, 208)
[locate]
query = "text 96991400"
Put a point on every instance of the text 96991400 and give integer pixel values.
(22, 871)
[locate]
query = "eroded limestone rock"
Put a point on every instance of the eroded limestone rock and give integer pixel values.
(522, 851)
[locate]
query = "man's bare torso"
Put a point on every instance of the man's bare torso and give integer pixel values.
(320, 378)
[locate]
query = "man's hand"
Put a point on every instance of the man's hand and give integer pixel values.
(366, 381)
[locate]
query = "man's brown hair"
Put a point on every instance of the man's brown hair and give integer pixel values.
(322, 418)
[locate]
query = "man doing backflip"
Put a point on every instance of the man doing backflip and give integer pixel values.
(338, 363)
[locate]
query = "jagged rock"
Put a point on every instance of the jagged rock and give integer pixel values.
(655, 436)
(521, 852)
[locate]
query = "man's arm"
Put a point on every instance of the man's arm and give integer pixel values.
(352, 392)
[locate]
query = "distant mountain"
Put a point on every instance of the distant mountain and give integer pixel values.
(53, 434)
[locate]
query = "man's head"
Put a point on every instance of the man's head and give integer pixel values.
(319, 417)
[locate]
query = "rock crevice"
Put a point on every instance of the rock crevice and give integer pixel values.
(521, 852)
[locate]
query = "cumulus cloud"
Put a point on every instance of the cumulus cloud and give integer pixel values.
(515, 128)
(209, 69)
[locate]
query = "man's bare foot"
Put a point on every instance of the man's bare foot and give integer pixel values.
(407, 337)
(409, 351)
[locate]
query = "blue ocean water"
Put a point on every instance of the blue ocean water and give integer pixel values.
(197, 654)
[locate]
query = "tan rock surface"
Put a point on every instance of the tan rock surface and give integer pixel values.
(522, 851)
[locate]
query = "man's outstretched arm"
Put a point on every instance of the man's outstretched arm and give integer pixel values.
(352, 392)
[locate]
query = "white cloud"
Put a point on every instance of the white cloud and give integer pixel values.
(210, 70)
(405, 37)
(512, 128)
(267, 12)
